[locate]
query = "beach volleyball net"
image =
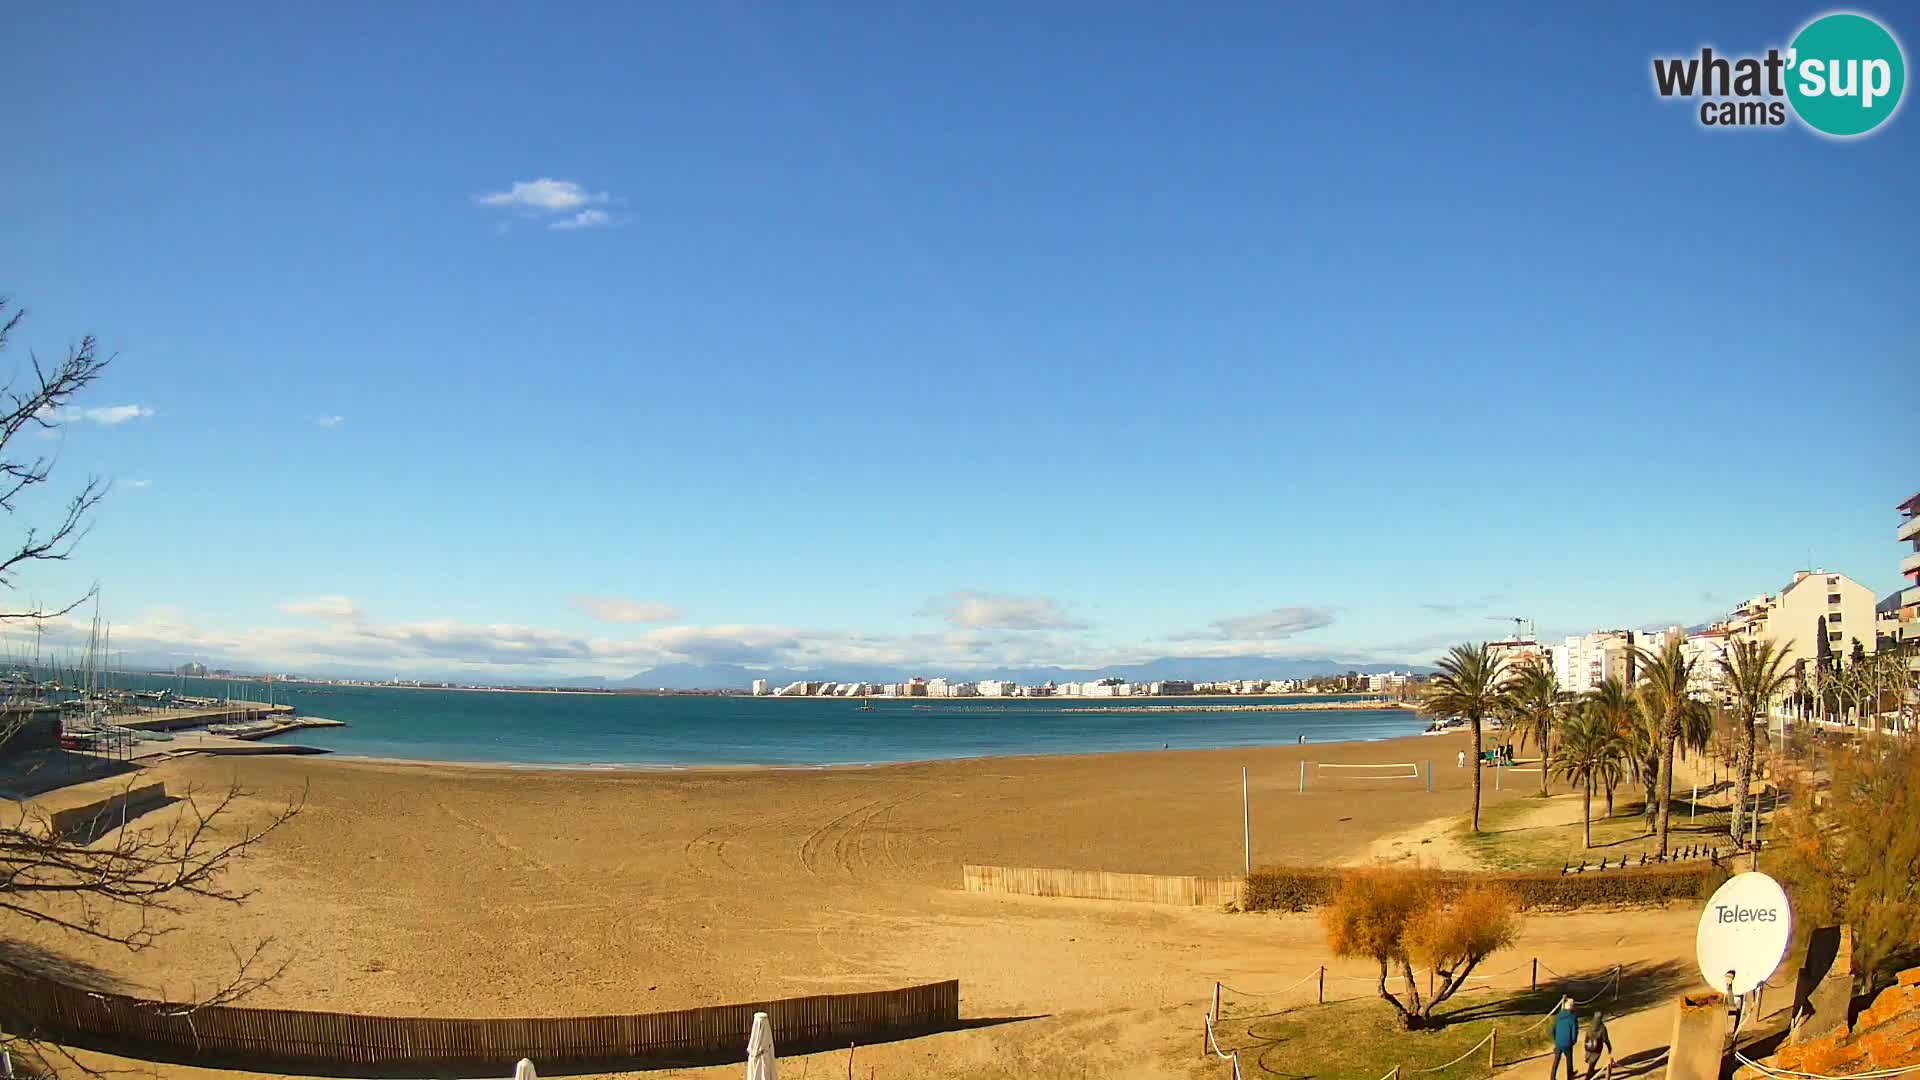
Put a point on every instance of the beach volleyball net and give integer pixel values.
(1352, 776)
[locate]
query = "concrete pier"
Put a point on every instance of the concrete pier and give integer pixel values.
(232, 712)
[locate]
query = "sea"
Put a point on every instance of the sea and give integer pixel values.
(635, 731)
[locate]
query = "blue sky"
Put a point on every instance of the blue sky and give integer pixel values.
(915, 335)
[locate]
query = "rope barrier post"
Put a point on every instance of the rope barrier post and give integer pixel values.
(1215, 1014)
(1493, 1048)
(1616, 984)
(1536, 974)
(1322, 995)
(1396, 1068)
(1303, 776)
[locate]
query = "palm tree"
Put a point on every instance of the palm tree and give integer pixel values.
(1612, 704)
(1696, 727)
(1644, 750)
(1534, 699)
(1469, 686)
(1754, 673)
(1664, 676)
(1590, 750)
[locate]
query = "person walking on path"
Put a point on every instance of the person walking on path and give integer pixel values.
(1597, 1042)
(1566, 1032)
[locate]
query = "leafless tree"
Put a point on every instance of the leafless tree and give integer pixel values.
(118, 882)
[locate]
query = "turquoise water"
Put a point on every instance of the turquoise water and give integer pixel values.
(631, 730)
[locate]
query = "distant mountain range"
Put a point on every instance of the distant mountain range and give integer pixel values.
(1198, 669)
(738, 677)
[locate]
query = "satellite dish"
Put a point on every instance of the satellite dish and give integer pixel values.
(1744, 933)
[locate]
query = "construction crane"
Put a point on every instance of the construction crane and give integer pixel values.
(1518, 622)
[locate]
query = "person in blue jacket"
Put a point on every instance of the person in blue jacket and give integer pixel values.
(1566, 1033)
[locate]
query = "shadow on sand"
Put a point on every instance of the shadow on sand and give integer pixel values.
(36, 772)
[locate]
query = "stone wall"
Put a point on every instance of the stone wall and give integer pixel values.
(1886, 1035)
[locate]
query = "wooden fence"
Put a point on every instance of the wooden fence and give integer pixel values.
(338, 1044)
(1101, 885)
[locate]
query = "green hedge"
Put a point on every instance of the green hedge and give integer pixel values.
(1297, 888)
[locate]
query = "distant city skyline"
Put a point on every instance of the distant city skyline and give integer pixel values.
(965, 340)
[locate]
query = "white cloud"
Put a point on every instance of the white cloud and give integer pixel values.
(102, 414)
(331, 421)
(139, 483)
(544, 195)
(1266, 626)
(322, 607)
(994, 611)
(585, 219)
(342, 636)
(620, 609)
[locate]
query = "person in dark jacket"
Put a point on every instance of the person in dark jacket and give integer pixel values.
(1597, 1042)
(1566, 1032)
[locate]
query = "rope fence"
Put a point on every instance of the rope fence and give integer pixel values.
(1213, 1045)
(1321, 975)
(1689, 853)
(1471, 1050)
(1604, 985)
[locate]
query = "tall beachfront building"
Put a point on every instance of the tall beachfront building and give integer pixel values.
(1813, 604)
(1908, 611)
(1910, 567)
(1583, 663)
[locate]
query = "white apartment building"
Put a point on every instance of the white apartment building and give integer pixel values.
(1513, 651)
(937, 688)
(759, 688)
(1909, 533)
(1815, 601)
(1582, 664)
(1707, 649)
(995, 688)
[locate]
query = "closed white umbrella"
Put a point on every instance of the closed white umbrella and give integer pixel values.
(760, 1064)
(524, 1071)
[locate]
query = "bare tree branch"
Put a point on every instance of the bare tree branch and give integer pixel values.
(40, 402)
(110, 881)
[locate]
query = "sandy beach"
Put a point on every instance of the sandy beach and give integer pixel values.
(486, 891)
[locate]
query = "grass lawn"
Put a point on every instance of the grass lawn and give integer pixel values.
(1507, 842)
(1361, 1039)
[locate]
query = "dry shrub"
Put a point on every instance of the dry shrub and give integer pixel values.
(1480, 920)
(1297, 888)
(1408, 915)
(1855, 857)
(1370, 914)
